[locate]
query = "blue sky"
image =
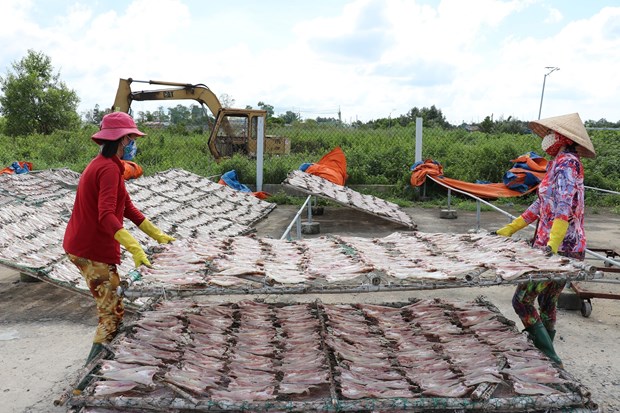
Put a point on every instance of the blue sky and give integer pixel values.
(369, 59)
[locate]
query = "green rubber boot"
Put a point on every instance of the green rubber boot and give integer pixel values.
(543, 341)
(550, 330)
(94, 351)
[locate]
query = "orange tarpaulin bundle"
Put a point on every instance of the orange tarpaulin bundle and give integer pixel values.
(17, 167)
(332, 167)
(523, 178)
(132, 170)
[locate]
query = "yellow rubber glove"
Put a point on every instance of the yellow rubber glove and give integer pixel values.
(152, 231)
(557, 234)
(514, 226)
(126, 240)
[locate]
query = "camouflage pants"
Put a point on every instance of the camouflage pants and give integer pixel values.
(102, 280)
(547, 293)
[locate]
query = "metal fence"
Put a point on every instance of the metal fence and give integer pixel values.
(375, 156)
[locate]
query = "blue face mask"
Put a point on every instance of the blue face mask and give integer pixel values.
(129, 152)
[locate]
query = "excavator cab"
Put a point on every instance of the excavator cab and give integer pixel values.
(234, 130)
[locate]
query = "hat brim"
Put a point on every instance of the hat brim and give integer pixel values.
(570, 126)
(112, 134)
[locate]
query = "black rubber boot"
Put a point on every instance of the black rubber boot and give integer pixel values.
(542, 340)
(94, 351)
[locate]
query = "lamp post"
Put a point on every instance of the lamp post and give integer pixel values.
(550, 69)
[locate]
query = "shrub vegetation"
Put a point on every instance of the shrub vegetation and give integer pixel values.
(374, 156)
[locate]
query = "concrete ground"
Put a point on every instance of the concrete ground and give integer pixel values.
(46, 331)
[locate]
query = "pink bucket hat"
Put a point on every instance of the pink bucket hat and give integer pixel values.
(115, 125)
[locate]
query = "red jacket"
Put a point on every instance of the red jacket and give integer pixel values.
(101, 202)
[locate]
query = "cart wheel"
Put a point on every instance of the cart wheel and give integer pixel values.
(586, 308)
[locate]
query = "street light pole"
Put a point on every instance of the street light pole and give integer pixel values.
(550, 69)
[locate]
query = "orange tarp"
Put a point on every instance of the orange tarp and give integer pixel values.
(491, 190)
(132, 170)
(332, 167)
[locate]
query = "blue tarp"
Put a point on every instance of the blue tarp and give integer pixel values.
(19, 169)
(231, 180)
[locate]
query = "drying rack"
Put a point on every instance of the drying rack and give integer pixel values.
(313, 185)
(585, 296)
(606, 255)
(328, 395)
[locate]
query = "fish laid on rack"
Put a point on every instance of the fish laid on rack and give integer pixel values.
(508, 258)
(203, 195)
(406, 258)
(274, 354)
(32, 189)
(241, 258)
(283, 262)
(343, 195)
(325, 258)
(112, 387)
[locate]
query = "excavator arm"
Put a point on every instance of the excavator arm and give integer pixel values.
(202, 94)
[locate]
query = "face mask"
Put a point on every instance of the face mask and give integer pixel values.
(553, 142)
(548, 141)
(129, 152)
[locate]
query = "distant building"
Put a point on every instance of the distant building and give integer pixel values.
(156, 124)
(470, 128)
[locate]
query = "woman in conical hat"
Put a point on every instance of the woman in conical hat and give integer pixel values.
(559, 210)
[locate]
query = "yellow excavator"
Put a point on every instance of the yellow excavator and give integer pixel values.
(234, 130)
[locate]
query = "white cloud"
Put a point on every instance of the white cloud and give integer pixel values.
(554, 16)
(368, 57)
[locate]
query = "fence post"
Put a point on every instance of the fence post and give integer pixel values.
(260, 141)
(418, 139)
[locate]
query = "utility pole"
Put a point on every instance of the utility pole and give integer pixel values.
(550, 69)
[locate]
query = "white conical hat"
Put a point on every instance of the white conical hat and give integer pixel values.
(570, 126)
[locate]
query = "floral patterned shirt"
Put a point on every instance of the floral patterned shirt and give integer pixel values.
(560, 196)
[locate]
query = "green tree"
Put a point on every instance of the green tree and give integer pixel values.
(601, 123)
(35, 100)
(179, 115)
(95, 115)
(161, 115)
(486, 125)
(267, 108)
(431, 117)
(510, 125)
(201, 117)
(227, 101)
(289, 117)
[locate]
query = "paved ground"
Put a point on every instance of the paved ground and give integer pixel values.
(45, 331)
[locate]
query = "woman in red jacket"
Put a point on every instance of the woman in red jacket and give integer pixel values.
(95, 230)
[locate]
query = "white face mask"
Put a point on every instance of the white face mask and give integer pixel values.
(548, 141)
